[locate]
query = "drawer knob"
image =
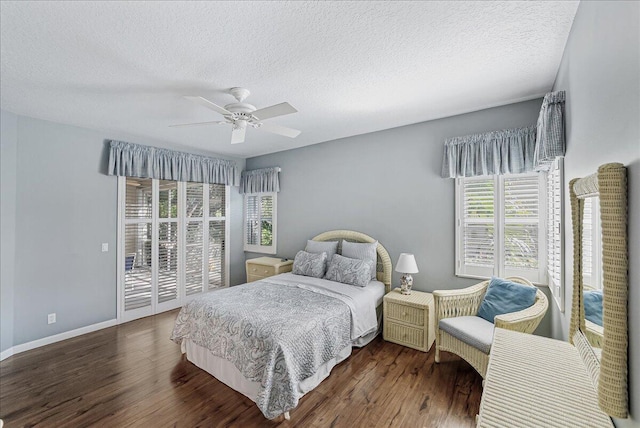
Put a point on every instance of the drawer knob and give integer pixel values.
(254, 269)
(266, 271)
(404, 314)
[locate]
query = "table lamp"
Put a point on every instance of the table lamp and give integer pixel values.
(406, 266)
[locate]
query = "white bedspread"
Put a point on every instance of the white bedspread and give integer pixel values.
(362, 301)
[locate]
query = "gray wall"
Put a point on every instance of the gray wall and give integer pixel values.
(8, 147)
(65, 208)
(600, 71)
(386, 184)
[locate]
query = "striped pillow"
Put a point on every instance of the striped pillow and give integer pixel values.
(317, 247)
(362, 251)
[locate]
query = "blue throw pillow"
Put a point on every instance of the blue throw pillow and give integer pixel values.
(503, 297)
(593, 306)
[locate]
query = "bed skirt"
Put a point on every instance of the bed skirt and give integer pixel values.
(228, 374)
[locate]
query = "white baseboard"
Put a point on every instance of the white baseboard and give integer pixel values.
(6, 354)
(56, 338)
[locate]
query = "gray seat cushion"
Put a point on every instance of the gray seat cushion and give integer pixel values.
(473, 331)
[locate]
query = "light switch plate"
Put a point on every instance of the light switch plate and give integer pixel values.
(105, 247)
(51, 318)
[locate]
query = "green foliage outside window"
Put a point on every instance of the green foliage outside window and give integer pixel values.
(168, 203)
(266, 233)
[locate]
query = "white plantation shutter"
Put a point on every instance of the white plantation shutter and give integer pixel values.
(172, 243)
(521, 218)
(194, 258)
(216, 275)
(138, 198)
(216, 278)
(252, 220)
(555, 243)
(137, 278)
(194, 239)
(195, 200)
(217, 201)
(167, 199)
(167, 261)
(167, 249)
(137, 243)
(478, 237)
(266, 217)
(498, 227)
(260, 222)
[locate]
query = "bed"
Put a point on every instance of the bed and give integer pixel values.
(276, 339)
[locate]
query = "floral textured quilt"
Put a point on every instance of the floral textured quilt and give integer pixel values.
(274, 332)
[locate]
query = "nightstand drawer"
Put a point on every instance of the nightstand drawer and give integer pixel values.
(404, 313)
(260, 270)
(404, 335)
(251, 278)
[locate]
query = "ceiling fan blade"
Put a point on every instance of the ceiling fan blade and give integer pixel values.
(208, 104)
(280, 130)
(183, 125)
(273, 111)
(237, 135)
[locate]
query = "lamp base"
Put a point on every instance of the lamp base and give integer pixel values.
(406, 282)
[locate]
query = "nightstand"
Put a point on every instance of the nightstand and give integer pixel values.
(408, 319)
(264, 267)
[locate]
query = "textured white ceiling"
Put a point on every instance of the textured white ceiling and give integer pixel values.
(348, 67)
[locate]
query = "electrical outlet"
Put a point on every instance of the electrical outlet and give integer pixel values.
(51, 318)
(105, 247)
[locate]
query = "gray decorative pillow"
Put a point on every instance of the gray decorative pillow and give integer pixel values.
(317, 247)
(349, 271)
(309, 264)
(362, 251)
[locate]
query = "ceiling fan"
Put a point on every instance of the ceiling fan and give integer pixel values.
(240, 115)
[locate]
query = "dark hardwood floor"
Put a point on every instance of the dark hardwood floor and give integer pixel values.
(133, 375)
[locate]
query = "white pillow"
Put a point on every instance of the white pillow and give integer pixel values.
(363, 251)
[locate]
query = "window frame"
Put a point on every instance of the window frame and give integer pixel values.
(555, 210)
(537, 276)
(263, 249)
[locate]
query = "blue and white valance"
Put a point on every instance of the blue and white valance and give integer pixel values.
(260, 180)
(550, 141)
(134, 160)
(509, 151)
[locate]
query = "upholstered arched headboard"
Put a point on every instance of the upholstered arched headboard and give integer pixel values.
(383, 265)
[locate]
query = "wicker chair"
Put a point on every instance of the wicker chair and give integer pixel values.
(465, 302)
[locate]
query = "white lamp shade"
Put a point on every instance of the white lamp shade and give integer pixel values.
(406, 264)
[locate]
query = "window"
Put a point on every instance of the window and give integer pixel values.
(555, 239)
(171, 244)
(260, 222)
(500, 227)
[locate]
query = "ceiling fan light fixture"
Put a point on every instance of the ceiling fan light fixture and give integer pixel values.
(240, 124)
(241, 114)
